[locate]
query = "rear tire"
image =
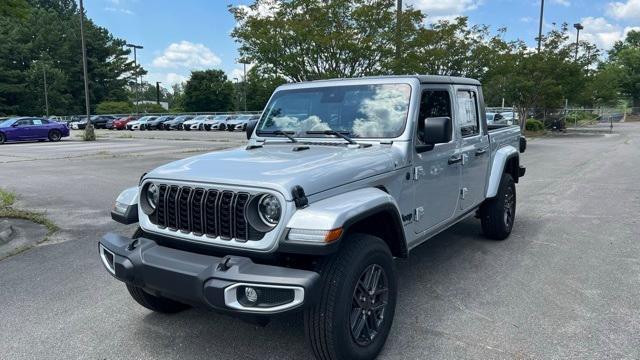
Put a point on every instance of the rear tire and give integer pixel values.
(222, 127)
(352, 317)
(155, 303)
(497, 215)
(55, 135)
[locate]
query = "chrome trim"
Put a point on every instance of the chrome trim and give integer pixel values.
(231, 299)
(105, 262)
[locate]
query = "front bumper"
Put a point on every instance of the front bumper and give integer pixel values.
(203, 280)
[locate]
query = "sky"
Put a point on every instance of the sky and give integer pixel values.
(181, 36)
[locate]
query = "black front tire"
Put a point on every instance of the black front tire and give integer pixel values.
(55, 135)
(333, 320)
(497, 215)
(155, 303)
(3, 138)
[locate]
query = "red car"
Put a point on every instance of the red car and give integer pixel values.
(121, 124)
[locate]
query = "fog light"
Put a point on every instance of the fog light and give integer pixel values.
(251, 294)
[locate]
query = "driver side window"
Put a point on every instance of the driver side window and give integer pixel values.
(434, 103)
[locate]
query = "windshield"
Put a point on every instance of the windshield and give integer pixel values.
(6, 122)
(200, 117)
(375, 111)
(220, 117)
(244, 117)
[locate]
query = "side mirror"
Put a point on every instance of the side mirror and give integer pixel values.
(435, 130)
(251, 125)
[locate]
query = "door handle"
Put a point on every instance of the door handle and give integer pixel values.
(455, 159)
(481, 151)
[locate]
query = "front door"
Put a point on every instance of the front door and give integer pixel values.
(22, 129)
(437, 180)
(474, 147)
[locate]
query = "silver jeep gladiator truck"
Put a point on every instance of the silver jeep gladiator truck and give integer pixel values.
(338, 178)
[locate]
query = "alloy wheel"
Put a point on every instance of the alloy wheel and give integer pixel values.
(369, 301)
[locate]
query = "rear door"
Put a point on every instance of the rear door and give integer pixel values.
(437, 182)
(40, 128)
(474, 147)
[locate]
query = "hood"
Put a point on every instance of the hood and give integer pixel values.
(276, 166)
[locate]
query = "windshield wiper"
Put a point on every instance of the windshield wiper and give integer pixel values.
(334, 133)
(286, 134)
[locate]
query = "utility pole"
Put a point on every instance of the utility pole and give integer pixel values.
(88, 130)
(46, 96)
(158, 92)
(244, 86)
(398, 33)
(540, 27)
(578, 27)
(135, 62)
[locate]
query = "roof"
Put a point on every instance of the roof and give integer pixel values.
(425, 79)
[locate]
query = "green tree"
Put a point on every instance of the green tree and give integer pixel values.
(49, 35)
(114, 107)
(313, 39)
(625, 55)
(208, 90)
(259, 88)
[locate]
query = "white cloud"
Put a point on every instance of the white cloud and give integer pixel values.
(563, 2)
(526, 19)
(167, 79)
(263, 8)
(624, 10)
(238, 72)
(120, 10)
(600, 32)
(444, 9)
(186, 54)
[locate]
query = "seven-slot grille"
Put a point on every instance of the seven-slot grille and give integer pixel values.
(210, 212)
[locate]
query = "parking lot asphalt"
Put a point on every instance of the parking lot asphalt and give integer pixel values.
(566, 284)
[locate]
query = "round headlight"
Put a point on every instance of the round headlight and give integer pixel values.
(269, 209)
(152, 195)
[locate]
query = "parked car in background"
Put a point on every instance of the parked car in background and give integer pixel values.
(509, 117)
(140, 124)
(240, 122)
(219, 122)
(98, 121)
(28, 128)
(176, 124)
(158, 122)
(197, 123)
(121, 123)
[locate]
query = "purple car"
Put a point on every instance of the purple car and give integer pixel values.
(27, 128)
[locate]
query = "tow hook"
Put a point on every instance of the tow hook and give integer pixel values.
(224, 264)
(132, 245)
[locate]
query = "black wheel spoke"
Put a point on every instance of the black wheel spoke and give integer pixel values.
(369, 302)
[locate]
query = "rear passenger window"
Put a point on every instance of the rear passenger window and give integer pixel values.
(467, 118)
(37, 122)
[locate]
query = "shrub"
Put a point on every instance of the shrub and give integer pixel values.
(114, 107)
(534, 125)
(151, 108)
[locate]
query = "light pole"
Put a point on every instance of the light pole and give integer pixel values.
(244, 86)
(578, 27)
(46, 96)
(237, 88)
(398, 33)
(135, 62)
(540, 27)
(88, 130)
(158, 92)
